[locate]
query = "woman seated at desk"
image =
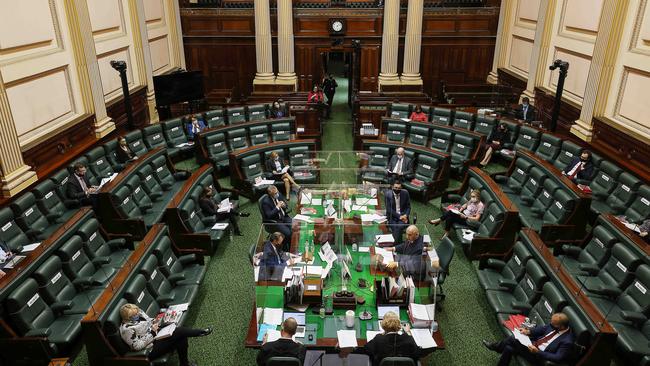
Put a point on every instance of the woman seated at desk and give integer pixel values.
(418, 116)
(123, 153)
(276, 110)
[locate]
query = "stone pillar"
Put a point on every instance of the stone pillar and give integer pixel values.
(286, 72)
(85, 55)
(144, 66)
(537, 57)
(390, 44)
(501, 46)
(606, 48)
(176, 33)
(412, 44)
(14, 174)
(263, 50)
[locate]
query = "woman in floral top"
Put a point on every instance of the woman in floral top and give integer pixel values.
(470, 210)
(139, 332)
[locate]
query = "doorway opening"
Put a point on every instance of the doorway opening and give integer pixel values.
(339, 64)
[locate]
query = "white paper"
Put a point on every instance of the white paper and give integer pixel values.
(426, 239)
(185, 144)
(422, 312)
(370, 334)
(314, 270)
(522, 338)
(366, 201)
(166, 331)
(285, 169)
(30, 247)
(264, 182)
(179, 307)
(386, 255)
(326, 270)
(305, 197)
(385, 238)
(220, 226)
(364, 249)
(316, 201)
(423, 338)
(13, 261)
(224, 206)
(304, 218)
(272, 335)
(359, 208)
(256, 272)
(382, 310)
(330, 211)
(633, 227)
(468, 234)
(273, 316)
(347, 338)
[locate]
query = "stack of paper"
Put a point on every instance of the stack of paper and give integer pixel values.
(347, 338)
(359, 208)
(30, 247)
(314, 271)
(468, 234)
(522, 338)
(387, 256)
(264, 182)
(423, 338)
(420, 315)
(366, 201)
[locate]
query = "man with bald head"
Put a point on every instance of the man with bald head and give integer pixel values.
(551, 342)
(285, 346)
(409, 254)
(399, 167)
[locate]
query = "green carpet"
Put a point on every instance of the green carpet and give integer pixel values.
(226, 296)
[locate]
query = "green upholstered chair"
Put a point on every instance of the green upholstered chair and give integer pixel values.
(150, 183)
(257, 112)
(545, 198)
(215, 145)
(98, 162)
(11, 233)
(441, 140)
(110, 151)
(214, 118)
(622, 196)
(281, 131)
(397, 361)
(259, 135)
(140, 196)
(594, 253)
(300, 158)
(236, 115)
(615, 275)
(164, 291)
(96, 246)
(461, 151)
(496, 270)
(52, 204)
(400, 110)
(135, 142)
(125, 204)
(28, 215)
(419, 135)
(136, 292)
(532, 186)
(162, 174)
(426, 170)
(80, 269)
(549, 147)
(485, 125)
(639, 209)
(442, 116)
(464, 120)
(189, 267)
(396, 132)
(153, 137)
(517, 296)
(237, 139)
(569, 151)
(378, 161)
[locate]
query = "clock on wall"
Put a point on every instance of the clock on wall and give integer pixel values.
(337, 26)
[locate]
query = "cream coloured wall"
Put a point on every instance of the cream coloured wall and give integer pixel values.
(627, 105)
(113, 35)
(38, 68)
(157, 16)
(574, 30)
(523, 24)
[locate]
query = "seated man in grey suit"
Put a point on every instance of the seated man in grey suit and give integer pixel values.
(400, 167)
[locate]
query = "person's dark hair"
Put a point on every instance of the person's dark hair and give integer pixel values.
(397, 182)
(205, 191)
(78, 166)
(275, 236)
(525, 99)
(585, 151)
(418, 108)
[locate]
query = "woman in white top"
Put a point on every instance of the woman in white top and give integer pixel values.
(139, 331)
(470, 210)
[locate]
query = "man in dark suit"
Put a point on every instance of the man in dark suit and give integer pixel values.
(209, 203)
(399, 167)
(79, 188)
(552, 342)
(273, 259)
(409, 253)
(398, 209)
(283, 347)
(580, 169)
(525, 111)
(329, 88)
(275, 213)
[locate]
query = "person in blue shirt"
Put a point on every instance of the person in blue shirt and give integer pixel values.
(194, 126)
(274, 259)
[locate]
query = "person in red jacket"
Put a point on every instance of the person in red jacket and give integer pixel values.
(417, 115)
(315, 95)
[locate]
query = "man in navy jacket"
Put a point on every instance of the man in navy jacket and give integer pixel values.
(273, 258)
(275, 213)
(580, 169)
(398, 209)
(551, 342)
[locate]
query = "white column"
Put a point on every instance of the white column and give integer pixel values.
(87, 67)
(177, 33)
(286, 72)
(501, 44)
(143, 55)
(540, 48)
(612, 20)
(412, 44)
(263, 50)
(390, 44)
(14, 174)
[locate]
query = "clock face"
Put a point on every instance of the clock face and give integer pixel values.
(337, 26)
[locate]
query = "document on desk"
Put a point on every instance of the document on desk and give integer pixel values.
(384, 238)
(305, 198)
(315, 271)
(272, 316)
(386, 255)
(522, 338)
(423, 338)
(370, 334)
(366, 201)
(166, 331)
(302, 218)
(30, 247)
(382, 310)
(316, 202)
(361, 208)
(264, 328)
(347, 338)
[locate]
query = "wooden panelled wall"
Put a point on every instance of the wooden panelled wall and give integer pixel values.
(608, 141)
(457, 45)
